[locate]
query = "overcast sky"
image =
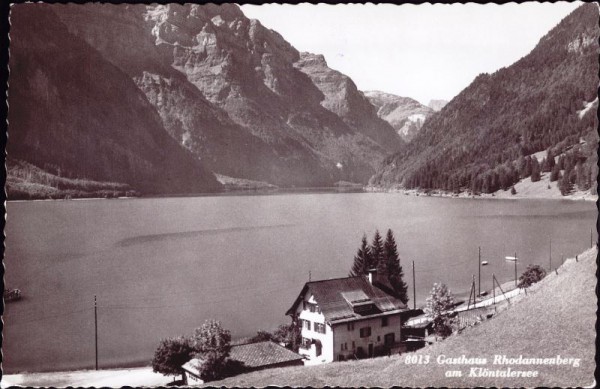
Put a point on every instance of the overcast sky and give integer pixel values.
(420, 51)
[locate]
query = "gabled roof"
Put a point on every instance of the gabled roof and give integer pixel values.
(336, 297)
(252, 355)
(260, 354)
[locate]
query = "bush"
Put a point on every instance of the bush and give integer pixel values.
(171, 354)
(438, 309)
(531, 275)
(212, 342)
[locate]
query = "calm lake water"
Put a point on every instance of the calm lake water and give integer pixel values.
(161, 266)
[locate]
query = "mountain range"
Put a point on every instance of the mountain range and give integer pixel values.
(234, 97)
(165, 98)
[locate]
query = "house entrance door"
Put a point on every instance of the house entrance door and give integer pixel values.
(389, 339)
(370, 350)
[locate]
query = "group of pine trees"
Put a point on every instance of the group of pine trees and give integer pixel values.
(571, 167)
(383, 257)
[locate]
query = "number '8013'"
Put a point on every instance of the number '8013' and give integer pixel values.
(416, 359)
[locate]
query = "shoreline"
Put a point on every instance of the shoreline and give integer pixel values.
(499, 195)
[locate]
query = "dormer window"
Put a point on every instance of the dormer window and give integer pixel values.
(311, 307)
(360, 302)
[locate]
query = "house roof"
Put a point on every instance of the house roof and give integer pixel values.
(192, 366)
(260, 354)
(336, 297)
(252, 355)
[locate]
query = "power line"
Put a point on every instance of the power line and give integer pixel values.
(20, 322)
(203, 303)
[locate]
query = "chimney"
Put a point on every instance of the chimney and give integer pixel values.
(371, 274)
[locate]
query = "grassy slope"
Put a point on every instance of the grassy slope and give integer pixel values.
(539, 190)
(28, 182)
(557, 317)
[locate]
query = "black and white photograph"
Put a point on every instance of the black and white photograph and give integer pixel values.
(300, 195)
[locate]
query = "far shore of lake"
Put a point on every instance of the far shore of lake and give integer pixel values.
(500, 195)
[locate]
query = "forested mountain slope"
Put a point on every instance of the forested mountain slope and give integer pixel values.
(481, 141)
(76, 115)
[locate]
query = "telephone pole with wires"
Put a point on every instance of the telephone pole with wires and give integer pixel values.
(96, 328)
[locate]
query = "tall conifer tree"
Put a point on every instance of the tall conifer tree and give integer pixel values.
(362, 259)
(377, 256)
(393, 268)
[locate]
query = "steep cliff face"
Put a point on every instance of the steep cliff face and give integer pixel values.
(342, 97)
(73, 112)
(230, 91)
(406, 115)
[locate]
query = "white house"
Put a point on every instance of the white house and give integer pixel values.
(347, 318)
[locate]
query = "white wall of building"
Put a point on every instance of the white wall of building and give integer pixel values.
(326, 339)
(344, 335)
(334, 337)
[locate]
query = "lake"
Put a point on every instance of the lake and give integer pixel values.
(161, 266)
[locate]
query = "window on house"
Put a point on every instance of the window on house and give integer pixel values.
(353, 345)
(306, 324)
(306, 343)
(384, 321)
(320, 328)
(365, 332)
(350, 326)
(378, 338)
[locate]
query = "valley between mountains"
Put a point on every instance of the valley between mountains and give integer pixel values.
(109, 101)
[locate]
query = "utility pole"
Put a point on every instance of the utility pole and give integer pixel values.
(515, 269)
(494, 287)
(479, 294)
(414, 287)
(550, 254)
(591, 238)
(96, 328)
(309, 276)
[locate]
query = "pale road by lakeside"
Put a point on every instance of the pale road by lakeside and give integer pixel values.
(144, 376)
(140, 376)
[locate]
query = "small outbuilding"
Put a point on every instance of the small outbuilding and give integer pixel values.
(251, 356)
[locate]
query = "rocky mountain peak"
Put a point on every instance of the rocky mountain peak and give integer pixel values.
(406, 115)
(437, 104)
(310, 59)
